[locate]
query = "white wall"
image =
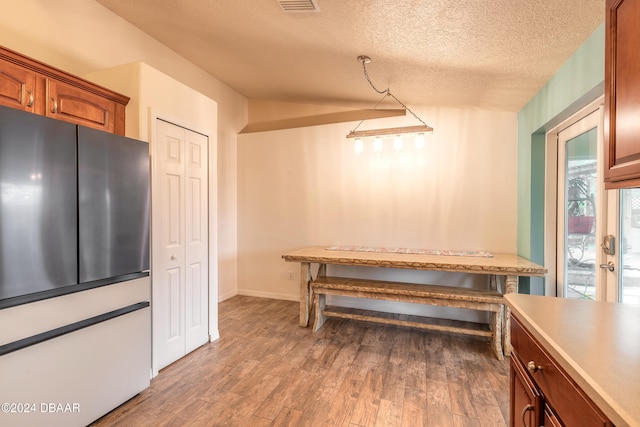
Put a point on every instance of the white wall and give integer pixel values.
(303, 186)
(182, 106)
(81, 37)
(306, 186)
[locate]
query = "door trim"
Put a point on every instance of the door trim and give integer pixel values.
(551, 193)
(212, 154)
(591, 120)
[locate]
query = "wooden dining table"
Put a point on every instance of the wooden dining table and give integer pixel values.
(503, 270)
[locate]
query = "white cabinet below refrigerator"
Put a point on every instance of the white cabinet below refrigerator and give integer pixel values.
(75, 378)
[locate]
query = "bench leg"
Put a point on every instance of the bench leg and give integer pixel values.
(319, 303)
(496, 339)
(322, 271)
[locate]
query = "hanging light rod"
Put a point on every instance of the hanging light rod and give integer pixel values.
(355, 133)
(389, 131)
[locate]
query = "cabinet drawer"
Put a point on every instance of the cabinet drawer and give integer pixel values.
(561, 393)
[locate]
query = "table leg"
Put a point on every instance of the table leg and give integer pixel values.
(496, 341)
(495, 284)
(305, 280)
(511, 285)
(498, 319)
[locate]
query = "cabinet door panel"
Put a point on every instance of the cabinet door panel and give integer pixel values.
(17, 87)
(525, 399)
(71, 104)
(622, 94)
(550, 419)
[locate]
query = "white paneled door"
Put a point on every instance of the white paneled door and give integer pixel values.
(179, 243)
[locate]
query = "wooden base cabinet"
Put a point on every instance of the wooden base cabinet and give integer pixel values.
(30, 85)
(541, 391)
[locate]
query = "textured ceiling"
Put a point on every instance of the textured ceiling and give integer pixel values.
(491, 54)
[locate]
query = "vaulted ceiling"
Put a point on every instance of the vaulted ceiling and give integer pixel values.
(490, 54)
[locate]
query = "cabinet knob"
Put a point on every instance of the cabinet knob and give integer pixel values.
(30, 101)
(533, 368)
(173, 257)
(54, 106)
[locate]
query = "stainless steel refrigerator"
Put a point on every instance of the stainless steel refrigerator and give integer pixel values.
(38, 204)
(74, 207)
(113, 191)
(74, 259)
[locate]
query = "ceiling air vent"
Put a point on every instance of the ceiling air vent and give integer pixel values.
(292, 6)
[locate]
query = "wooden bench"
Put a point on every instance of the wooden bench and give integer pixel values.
(484, 300)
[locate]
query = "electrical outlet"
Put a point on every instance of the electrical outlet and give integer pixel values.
(291, 275)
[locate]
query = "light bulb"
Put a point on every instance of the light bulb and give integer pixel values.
(377, 144)
(397, 143)
(419, 141)
(358, 146)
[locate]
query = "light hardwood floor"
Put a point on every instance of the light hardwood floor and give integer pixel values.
(265, 370)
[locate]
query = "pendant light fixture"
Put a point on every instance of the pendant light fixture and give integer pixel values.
(419, 130)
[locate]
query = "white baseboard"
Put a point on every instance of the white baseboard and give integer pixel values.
(272, 295)
(226, 296)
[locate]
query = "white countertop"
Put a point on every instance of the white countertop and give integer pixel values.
(596, 343)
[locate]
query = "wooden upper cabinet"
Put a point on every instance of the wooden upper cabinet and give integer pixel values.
(17, 87)
(622, 94)
(30, 85)
(71, 104)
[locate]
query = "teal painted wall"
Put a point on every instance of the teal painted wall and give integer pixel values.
(578, 82)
